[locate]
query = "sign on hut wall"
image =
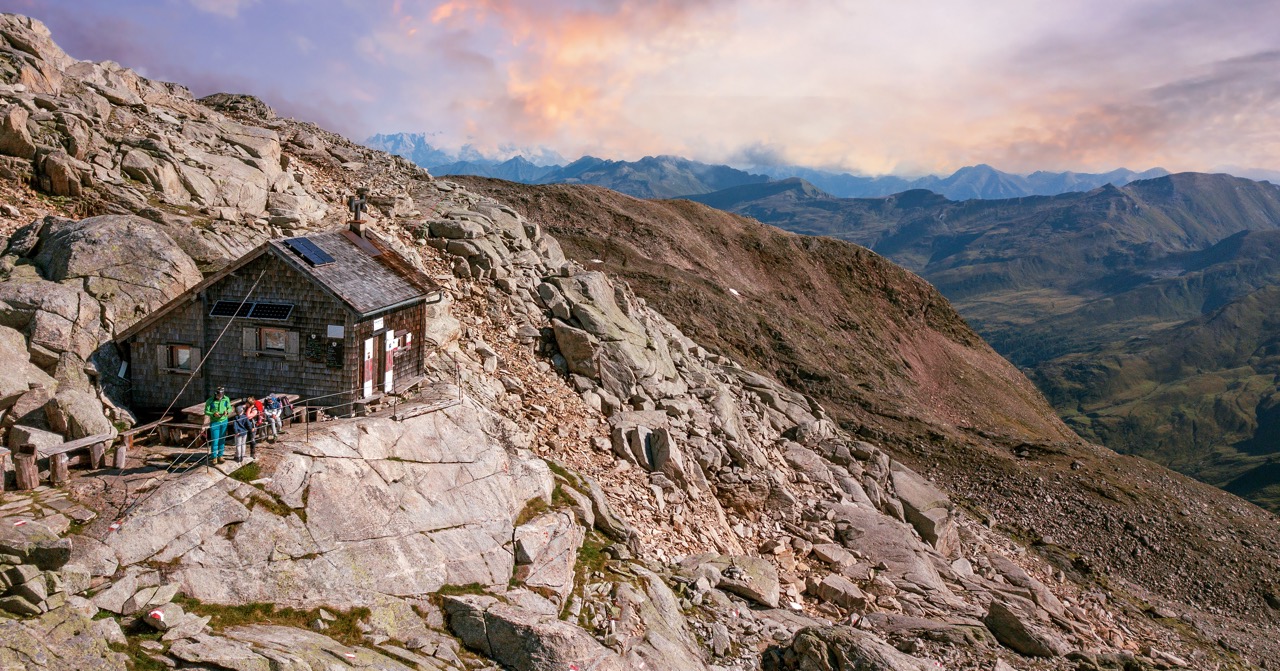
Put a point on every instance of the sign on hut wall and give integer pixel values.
(325, 351)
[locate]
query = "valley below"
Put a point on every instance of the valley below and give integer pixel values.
(1142, 312)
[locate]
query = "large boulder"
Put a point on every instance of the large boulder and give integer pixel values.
(21, 434)
(927, 509)
(15, 140)
(126, 262)
(160, 174)
(20, 374)
(626, 355)
(839, 649)
(42, 62)
(1015, 575)
(56, 317)
(546, 551)
(1016, 628)
(523, 640)
(60, 174)
(751, 578)
(63, 639)
(76, 413)
(36, 544)
(877, 535)
(842, 592)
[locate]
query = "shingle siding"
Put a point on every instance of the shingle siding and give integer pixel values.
(260, 373)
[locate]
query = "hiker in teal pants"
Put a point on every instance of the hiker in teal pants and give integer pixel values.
(218, 410)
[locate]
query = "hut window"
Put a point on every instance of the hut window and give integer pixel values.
(180, 357)
(267, 341)
(272, 340)
(177, 358)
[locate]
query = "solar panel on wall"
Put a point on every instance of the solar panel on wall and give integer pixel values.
(309, 251)
(231, 309)
(277, 311)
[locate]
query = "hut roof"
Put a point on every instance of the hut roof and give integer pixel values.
(366, 275)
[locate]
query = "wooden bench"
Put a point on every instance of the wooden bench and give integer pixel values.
(125, 447)
(58, 456)
(171, 432)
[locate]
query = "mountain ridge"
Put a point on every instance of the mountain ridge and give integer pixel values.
(979, 181)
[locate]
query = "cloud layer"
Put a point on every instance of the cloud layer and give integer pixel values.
(910, 87)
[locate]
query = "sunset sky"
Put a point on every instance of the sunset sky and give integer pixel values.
(904, 87)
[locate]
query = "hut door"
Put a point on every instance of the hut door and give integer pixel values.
(367, 370)
(388, 360)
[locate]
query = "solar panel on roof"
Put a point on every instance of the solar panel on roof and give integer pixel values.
(309, 251)
(230, 309)
(279, 311)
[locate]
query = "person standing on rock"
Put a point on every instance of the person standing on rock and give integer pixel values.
(218, 410)
(241, 428)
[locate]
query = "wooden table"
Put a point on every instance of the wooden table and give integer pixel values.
(196, 412)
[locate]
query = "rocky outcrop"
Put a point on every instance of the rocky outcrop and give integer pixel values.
(927, 509)
(265, 647)
(1016, 628)
(423, 503)
(60, 640)
(72, 285)
(31, 561)
(128, 264)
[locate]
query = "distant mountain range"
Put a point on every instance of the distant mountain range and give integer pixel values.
(978, 181)
(417, 147)
(673, 176)
(1145, 313)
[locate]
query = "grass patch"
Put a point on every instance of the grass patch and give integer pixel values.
(565, 473)
(139, 657)
(247, 473)
(538, 506)
(270, 503)
(343, 628)
(591, 556)
(591, 559)
(531, 510)
(559, 499)
(459, 590)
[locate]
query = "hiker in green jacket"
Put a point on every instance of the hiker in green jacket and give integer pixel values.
(218, 410)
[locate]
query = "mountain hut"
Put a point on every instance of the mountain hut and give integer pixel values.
(336, 316)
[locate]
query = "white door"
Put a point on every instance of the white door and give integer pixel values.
(390, 362)
(368, 368)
